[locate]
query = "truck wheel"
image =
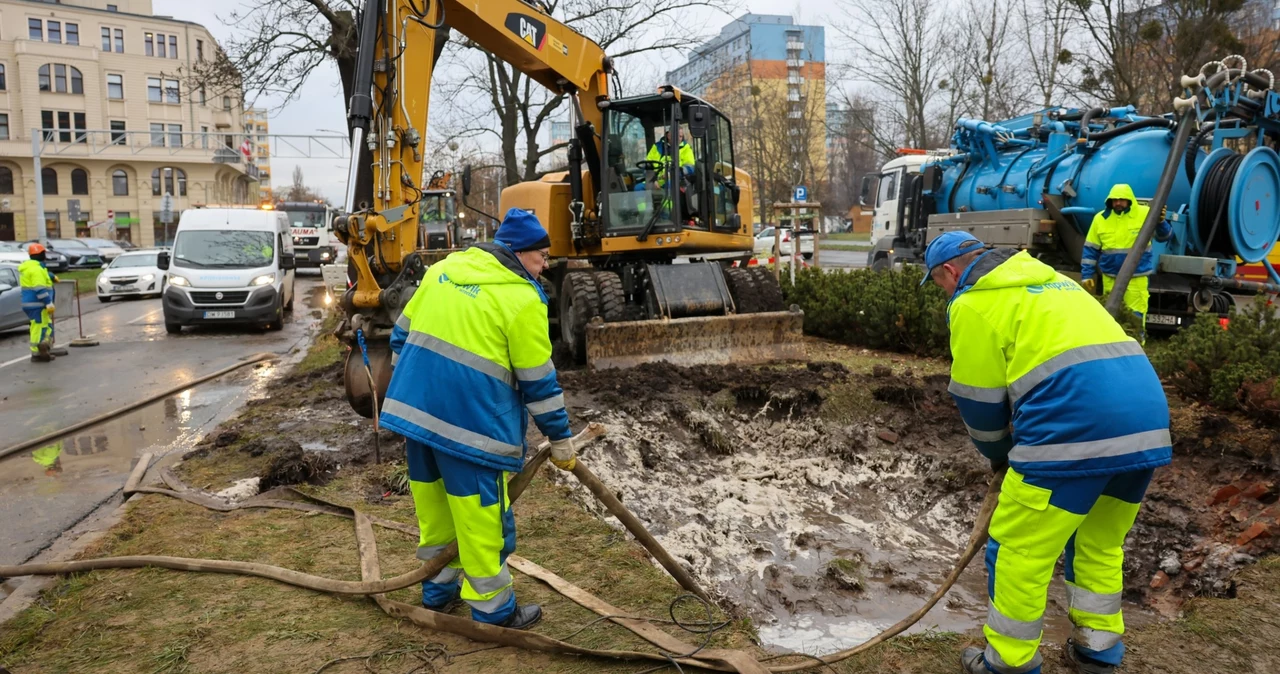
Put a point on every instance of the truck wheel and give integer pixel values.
(742, 288)
(880, 264)
(613, 301)
(769, 293)
(579, 303)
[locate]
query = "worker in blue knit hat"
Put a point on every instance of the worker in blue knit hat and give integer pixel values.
(472, 362)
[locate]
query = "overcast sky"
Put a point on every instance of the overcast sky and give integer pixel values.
(320, 106)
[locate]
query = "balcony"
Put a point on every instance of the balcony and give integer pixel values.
(795, 63)
(795, 46)
(177, 146)
(795, 79)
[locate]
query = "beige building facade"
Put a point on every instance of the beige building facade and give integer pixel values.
(122, 122)
(256, 125)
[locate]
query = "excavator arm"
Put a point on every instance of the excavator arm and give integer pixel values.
(388, 114)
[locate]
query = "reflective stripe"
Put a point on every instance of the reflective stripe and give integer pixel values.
(1090, 244)
(491, 583)
(394, 357)
(446, 577)
(494, 603)
(428, 552)
(448, 431)
(1144, 273)
(1094, 640)
(403, 322)
(1118, 251)
(544, 406)
(461, 355)
(1014, 629)
(1093, 449)
(997, 664)
(1093, 602)
(978, 393)
(34, 305)
(987, 436)
(535, 373)
(1081, 354)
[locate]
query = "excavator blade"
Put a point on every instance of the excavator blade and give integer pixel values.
(741, 339)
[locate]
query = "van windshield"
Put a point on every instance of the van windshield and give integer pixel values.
(223, 249)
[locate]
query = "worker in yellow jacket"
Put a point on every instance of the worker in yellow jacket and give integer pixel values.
(37, 302)
(1029, 350)
(1111, 234)
(472, 361)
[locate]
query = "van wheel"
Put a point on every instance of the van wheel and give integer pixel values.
(278, 323)
(292, 295)
(173, 328)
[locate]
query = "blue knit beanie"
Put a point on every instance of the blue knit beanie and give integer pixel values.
(521, 231)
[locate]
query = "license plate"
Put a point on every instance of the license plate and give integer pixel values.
(125, 289)
(1161, 319)
(219, 314)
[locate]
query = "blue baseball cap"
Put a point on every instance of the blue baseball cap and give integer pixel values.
(946, 247)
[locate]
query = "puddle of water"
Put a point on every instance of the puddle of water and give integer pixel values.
(317, 446)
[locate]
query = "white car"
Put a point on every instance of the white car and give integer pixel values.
(764, 243)
(12, 252)
(132, 274)
(106, 248)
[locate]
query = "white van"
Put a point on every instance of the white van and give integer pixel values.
(229, 265)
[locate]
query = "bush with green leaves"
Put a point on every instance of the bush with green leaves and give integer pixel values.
(1232, 367)
(879, 310)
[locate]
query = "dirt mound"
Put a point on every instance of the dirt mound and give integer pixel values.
(296, 466)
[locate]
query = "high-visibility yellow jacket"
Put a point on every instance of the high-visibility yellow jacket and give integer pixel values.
(1033, 351)
(659, 153)
(472, 358)
(1112, 234)
(37, 287)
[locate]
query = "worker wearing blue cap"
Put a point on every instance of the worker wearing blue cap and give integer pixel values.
(1030, 349)
(472, 359)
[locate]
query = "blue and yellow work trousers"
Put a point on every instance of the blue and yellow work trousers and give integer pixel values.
(41, 330)
(457, 499)
(1136, 296)
(1036, 520)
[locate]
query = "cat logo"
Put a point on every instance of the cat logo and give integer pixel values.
(528, 29)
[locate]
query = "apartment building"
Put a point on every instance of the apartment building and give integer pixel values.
(257, 128)
(119, 119)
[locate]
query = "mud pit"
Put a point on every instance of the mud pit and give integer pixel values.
(826, 505)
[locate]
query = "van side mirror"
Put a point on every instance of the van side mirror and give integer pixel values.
(466, 180)
(162, 260)
(288, 262)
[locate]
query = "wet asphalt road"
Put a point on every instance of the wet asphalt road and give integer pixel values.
(855, 259)
(135, 358)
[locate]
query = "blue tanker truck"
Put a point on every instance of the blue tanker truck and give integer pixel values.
(1036, 181)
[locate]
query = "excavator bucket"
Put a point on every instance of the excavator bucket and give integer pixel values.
(741, 339)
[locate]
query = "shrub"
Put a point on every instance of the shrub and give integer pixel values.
(879, 310)
(1232, 368)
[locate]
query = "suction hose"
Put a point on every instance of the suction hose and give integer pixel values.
(1116, 300)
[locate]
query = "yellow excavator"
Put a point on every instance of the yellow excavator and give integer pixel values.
(641, 248)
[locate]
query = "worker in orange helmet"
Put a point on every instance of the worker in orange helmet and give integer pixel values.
(37, 302)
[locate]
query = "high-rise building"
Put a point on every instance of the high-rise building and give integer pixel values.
(256, 128)
(107, 90)
(768, 75)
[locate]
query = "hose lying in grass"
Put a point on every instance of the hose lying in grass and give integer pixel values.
(372, 584)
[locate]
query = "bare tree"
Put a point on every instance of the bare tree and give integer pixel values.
(298, 190)
(1045, 28)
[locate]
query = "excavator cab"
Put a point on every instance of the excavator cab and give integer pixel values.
(439, 221)
(668, 166)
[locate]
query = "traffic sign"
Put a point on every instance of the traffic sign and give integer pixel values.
(801, 193)
(73, 210)
(166, 208)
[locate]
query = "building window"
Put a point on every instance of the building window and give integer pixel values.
(226, 102)
(79, 181)
(73, 33)
(119, 33)
(204, 137)
(162, 182)
(49, 181)
(115, 86)
(199, 50)
(153, 90)
(148, 44)
(4, 126)
(112, 8)
(202, 95)
(175, 135)
(117, 132)
(57, 83)
(160, 48)
(35, 29)
(157, 134)
(171, 92)
(106, 39)
(63, 128)
(53, 31)
(173, 47)
(3, 84)
(6, 180)
(119, 183)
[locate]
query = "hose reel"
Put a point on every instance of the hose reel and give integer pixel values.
(1235, 203)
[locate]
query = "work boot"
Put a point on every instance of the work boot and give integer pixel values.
(523, 617)
(41, 357)
(45, 351)
(973, 661)
(1083, 664)
(449, 604)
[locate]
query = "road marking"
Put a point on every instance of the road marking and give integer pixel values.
(19, 359)
(143, 317)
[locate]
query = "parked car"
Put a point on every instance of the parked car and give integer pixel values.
(131, 275)
(79, 255)
(11, 314)
(17, 253)
(765, 240)
(109, 250)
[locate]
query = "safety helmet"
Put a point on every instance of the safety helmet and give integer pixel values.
(35, 249)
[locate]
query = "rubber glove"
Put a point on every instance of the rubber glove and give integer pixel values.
(49, 308)
(1090, 286)
(563, 454)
